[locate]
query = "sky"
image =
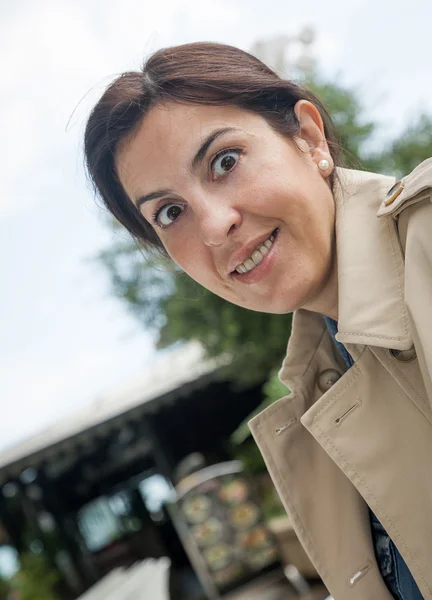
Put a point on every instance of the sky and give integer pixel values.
(64, 340)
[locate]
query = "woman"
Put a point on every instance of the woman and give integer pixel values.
(209, 156)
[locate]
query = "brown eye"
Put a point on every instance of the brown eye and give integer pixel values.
(225, 162)
(173, 212)
(168, 214)
(228, 162)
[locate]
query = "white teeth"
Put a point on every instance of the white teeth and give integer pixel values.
(256, 256)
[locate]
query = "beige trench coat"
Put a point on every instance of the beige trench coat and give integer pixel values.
(344, 440)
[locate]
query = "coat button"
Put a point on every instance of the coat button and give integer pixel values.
(404, 355)
(327, 379)
(394, 192)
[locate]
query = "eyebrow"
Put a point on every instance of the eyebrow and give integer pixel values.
(153, 196)
(199, 156)
(197, 160)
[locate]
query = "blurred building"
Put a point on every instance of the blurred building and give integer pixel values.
(89, 491)
(290, 55)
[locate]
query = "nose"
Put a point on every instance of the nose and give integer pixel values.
(217, 221)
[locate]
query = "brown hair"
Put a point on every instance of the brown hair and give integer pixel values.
(199, 73)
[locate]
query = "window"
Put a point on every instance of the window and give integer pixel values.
(98, 525)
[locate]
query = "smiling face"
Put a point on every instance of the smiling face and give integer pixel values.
(244, 211)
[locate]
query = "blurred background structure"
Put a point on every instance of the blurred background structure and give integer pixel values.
(90, 486)
(144, 473)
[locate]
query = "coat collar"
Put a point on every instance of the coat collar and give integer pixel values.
(370, 276)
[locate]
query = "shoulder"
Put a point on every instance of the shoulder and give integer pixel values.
(412, 189)
(411, 212)
(409, 204)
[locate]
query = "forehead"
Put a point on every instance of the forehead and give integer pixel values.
(173, 119)
(169, 136)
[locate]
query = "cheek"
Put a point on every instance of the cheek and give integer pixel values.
(189, 254)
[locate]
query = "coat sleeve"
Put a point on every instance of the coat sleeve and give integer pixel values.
(415, 231)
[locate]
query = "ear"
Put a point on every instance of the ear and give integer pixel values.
(312, 136)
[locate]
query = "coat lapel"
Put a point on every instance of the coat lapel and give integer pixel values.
(370, 265)
(370, 277)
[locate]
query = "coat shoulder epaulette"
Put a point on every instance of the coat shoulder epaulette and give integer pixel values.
(407, 191)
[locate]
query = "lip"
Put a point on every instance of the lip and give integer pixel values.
(265, 266)
(239, 257)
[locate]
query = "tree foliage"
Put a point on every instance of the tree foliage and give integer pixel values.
(36, 579)
(4, 589)
(169, 302)
(411, 148)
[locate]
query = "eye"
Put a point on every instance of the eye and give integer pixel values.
(224, 162)
(166, 215)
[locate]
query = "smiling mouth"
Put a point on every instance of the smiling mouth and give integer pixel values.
(257, 255)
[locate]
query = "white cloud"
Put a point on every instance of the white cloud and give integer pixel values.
(56, 57)
(44, 65)
(50, 386)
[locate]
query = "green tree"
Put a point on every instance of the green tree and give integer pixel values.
(36, 579)
(4, 589)
(168, 302)
(410, 148)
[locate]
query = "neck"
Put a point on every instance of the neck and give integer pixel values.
(325, 301)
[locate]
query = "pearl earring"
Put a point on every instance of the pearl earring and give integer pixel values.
(323, 164)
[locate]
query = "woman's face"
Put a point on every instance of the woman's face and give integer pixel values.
(240, 208)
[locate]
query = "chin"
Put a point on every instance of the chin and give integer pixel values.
(273, 306)
(283, 295)
(289, 298)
